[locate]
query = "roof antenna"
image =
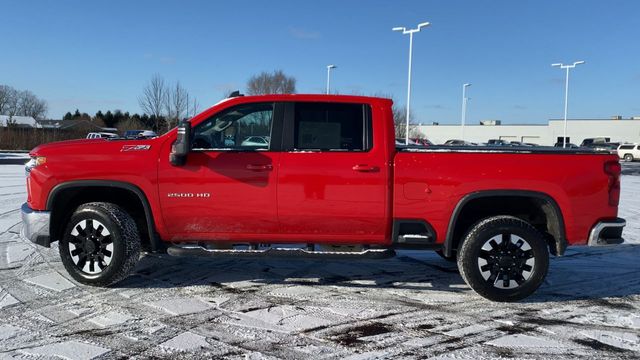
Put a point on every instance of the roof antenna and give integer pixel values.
(234, 94)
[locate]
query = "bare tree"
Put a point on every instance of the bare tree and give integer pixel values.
(192, 107)
(195, 107)
(400, 123)
(271, 83)
(12, 106)
(153, 98)
(400, 120)
(29, 105)
(5, 94)
(175, 104)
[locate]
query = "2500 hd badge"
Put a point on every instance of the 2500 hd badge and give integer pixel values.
(189, 195)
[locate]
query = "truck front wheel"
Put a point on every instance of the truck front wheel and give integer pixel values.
(503, 258)
(101, 244)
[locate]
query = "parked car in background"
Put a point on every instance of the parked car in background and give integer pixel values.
(601, 144)
(423, 142)
(611, 147)
(498, 142)
(139, 134)
(569, 145)
(403, 142)
(629, 152)
(596, 140)
(520, 143)
(101, 135)
(457, 142)
(257, 141)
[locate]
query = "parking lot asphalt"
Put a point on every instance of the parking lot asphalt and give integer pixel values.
(412, 306)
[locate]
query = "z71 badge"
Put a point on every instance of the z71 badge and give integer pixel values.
(135, 147)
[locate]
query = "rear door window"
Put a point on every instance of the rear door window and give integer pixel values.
(331, 127)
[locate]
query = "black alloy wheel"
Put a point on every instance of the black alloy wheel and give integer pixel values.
(101, 244)
(503, 258)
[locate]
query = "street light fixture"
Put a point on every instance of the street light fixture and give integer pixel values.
(410, 32)
(329, 67)
(566, 95)
(464, 107)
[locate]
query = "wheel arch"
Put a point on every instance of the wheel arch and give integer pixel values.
(65, 197)
(542, 202)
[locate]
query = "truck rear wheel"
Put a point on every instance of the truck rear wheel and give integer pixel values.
(101, 244)
(628, 157)
(503, 258)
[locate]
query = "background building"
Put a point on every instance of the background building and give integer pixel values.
(18, 121)
(616, 128)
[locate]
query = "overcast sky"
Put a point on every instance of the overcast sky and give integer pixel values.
(95, 55)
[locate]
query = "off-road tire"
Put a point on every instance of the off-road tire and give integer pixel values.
(124, 237)
(471, 251)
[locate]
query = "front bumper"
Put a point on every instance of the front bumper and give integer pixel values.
(607, 233)
(35, 225)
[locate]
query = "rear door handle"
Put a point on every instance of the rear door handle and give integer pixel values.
(365, 168)
(257, 167)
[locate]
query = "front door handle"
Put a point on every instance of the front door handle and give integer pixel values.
(257, 167)
(365, 168)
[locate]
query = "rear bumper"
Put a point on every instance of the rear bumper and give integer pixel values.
(607, 233)
(35, 225)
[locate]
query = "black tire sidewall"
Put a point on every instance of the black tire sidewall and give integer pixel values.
(119, 249)
(488, 228)
(628, 157)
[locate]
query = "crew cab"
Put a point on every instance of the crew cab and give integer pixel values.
(330, 178)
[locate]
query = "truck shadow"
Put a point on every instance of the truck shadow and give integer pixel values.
(582, 274)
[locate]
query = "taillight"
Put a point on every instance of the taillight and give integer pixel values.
(613, 170)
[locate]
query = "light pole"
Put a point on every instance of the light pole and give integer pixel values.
(566, 96)
(410, 32)
(464, 107)
(329, 67)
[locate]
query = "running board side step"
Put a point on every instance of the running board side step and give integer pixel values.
(415, 239)
(280, 252)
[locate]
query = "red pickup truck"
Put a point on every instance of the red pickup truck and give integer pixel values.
(254, 175)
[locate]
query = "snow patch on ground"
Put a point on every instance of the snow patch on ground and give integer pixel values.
(186, 341)
(181, 306)
(9, 331)
(73, 350)
(111, 318)
(6, 299)
(52, 281)
(622, 340)
(526, 341)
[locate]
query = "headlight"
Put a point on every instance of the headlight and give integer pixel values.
(35, 161)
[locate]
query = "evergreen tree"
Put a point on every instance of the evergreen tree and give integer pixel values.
(108, 119)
